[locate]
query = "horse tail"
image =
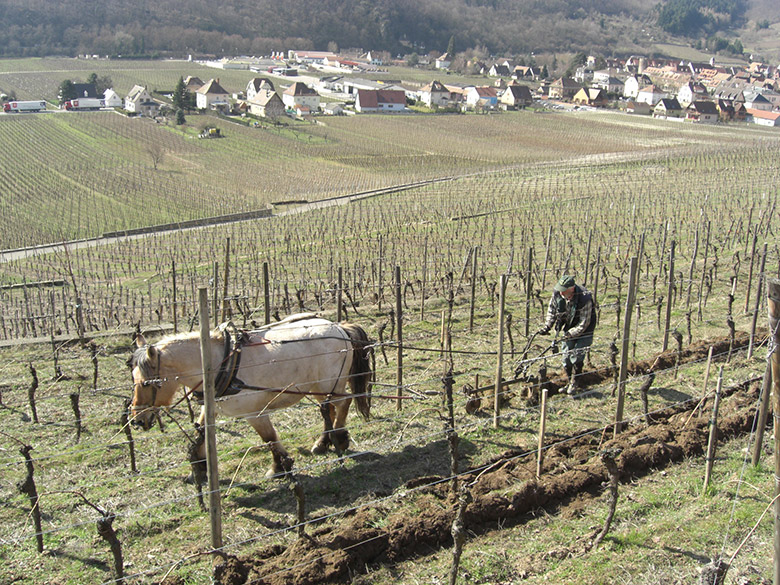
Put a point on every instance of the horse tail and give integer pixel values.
(360, 373)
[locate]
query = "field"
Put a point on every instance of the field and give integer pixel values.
(526, 195)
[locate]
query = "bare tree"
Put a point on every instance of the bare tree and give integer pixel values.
(156, 152)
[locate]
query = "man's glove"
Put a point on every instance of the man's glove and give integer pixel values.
(543, 331)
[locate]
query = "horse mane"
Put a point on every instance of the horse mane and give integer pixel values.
(140, 357)
(140, 360)
(361, 372)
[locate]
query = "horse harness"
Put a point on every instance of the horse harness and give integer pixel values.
(227, 383)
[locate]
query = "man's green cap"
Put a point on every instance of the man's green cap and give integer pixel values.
(565, 282)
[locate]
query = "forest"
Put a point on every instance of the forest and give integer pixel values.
(176, 28)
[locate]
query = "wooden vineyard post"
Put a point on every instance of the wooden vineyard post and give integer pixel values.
(713, 440)
(758, 304)
(690, 269)
(546, 257)
(398, 324)
(225, 302)
(215, 293)
(473, 287)
(215, 502)
(763, 411)
(750, 272)
(424, 274)
(379, 277)
(542, 429)
(706, 377)
(339, 288)
(266, 294)
(528, 282)
(624, 351)
(500, 357)
(773, 294)
(175, 313)
(669, 291)
(587, 261)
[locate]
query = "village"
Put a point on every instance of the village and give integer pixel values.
(305, 84)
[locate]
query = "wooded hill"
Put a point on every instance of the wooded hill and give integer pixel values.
(176, 27)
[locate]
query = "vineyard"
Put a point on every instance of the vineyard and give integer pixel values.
(523, 197)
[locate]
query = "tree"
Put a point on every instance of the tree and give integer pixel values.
(179, 94)
(156, 152)
(180, 119)
(413, 60)
(451, 47)
(66, 91)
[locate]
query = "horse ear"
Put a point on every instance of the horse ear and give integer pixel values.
(151, 352)
(140, 340)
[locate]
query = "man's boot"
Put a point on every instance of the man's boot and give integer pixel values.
(575, 386)
(569, 377)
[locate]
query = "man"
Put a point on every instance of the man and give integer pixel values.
(571, 311)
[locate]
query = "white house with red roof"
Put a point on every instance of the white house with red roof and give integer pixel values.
(380, 100)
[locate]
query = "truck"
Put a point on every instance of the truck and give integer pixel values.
(82, 104)
(29, 106)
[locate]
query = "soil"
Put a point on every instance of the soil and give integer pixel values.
(507, 491)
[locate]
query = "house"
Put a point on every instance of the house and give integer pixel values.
(482, 97)
(667, 108)
(211, 95)
(702, 111)
(380, 100)
(691, 92)
(609, 85)
(640, 108)
(300, 94)
(112, 99)
(607, 79)
(310, 56)
(443, 62)
(192, 83)
(516, 96)
(591, 96)
(84, 90)
(763, 118)
(332, 108)
(435, 95)
(498, 70)
(258, 85)
(726, 110)
(633, 84)
(651, 95)
(583, 74)
(757, 101)
(139, 101)
(524, 72)
(563, 88)
(266, 104)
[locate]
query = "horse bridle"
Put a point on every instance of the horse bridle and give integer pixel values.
(155, 383)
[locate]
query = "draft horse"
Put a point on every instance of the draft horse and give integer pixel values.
(260, 371)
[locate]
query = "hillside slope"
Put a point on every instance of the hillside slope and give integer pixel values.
(49, 27)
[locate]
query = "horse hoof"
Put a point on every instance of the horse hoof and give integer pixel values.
(273, 473)
(319, 448)
(341, 440)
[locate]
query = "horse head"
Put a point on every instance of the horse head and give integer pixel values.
(151, 387)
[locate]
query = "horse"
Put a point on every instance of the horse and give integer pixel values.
(260, 371)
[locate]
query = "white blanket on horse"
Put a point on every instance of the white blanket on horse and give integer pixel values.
(291, 359)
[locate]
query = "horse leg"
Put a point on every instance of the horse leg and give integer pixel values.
(340, 435)
(321, 444)
(281, 459)
(334, 411)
